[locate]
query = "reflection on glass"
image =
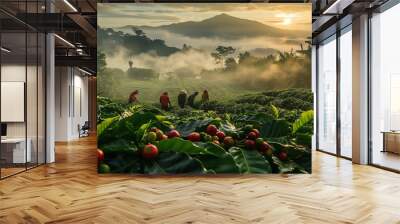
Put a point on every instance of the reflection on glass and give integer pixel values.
(346, 94)
(385, 84)
(14, 146)
(327, 96)
(31, 97)
(22, 89)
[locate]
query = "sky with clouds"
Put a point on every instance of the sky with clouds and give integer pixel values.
(284, 16)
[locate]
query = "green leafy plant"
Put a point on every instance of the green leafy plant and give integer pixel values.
(123, 136)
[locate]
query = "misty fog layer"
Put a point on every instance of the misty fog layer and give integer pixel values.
(192, 61)
(209, 44)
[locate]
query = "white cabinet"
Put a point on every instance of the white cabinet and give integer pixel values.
(19, 155)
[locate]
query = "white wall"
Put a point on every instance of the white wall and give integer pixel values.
(11, 73)
(62, 81)
(71, 102)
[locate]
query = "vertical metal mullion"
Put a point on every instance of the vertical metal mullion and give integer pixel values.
(338, 81)
(26, 86)
(317, 97)
(45, 94)
(37, 89)
(45, 88)
(369, 89)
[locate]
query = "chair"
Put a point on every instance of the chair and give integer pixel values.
(84, 130)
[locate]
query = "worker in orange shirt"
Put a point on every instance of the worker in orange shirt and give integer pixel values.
(164, 101)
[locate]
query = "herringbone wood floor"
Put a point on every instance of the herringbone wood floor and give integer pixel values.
(70, 191)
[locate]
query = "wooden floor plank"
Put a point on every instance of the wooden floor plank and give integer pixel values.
(71, 191)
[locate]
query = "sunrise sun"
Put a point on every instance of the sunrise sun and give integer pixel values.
(286, 19)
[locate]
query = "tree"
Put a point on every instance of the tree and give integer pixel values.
(221, 52)
(139, 32)
(243, 57)
(186, 47)
(230, 63)
(101, 61)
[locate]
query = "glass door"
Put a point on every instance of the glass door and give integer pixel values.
(327, 96)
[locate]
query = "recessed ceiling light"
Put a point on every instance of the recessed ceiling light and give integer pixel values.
(86, 72)
(70, 5)
(337, 7)
(64, 40)
(5, 50)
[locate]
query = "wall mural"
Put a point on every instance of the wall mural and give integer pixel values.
(204, 88)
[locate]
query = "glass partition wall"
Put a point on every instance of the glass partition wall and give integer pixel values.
(385, 89)
(345, 90)
(334, 94)
(326, 57)
(22, 77)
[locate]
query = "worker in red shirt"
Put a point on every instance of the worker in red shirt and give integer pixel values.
(164, 101)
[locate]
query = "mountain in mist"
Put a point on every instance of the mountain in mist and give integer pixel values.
(112, 42)
(223, 26)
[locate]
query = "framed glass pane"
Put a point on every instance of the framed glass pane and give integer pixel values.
(327, 95)
(346, 93)
(32, 98)
(14, 153)
(385, 89)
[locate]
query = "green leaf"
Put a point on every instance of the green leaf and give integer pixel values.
(141, 132)
(212, 149)
(118, 146)
(105, 124)
(180, 145)
(293, 151)
(304, 139)
(173, 163)
(227, 126)
(140, 118)
(161, 118)
(224, 164)
(250, 161)
(122, 157)
(275, 128)
(217, 159)
(305, 117)
(288, 166)
(191, 126)
(275, 111)
(212, 156)
(122, 163)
